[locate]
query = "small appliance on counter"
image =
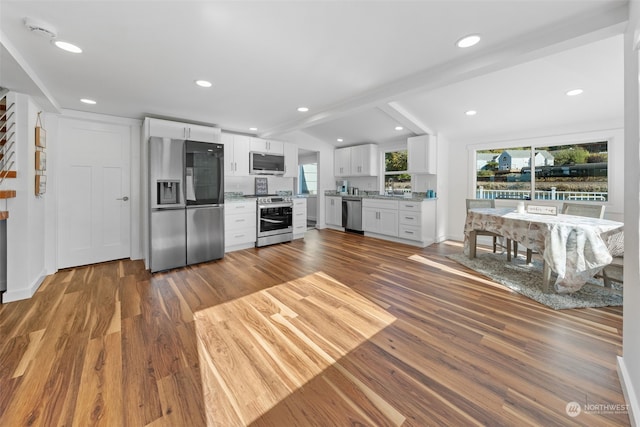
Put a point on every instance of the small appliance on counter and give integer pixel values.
(342, 187)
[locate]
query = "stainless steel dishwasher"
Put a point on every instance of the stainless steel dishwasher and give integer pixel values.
(352, 214)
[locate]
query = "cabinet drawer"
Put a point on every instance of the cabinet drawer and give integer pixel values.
(409, 232)
(240, 221)
(300, 219)
(410, 218)
(380, 203)
(410, 206)
(238, 237)
(233, 208)
(299, 229)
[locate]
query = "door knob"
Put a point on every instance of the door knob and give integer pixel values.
(125, 198)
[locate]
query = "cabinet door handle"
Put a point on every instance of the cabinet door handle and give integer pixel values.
(408, 232)
(409, 217)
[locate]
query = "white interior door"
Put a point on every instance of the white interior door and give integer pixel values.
(93, 205)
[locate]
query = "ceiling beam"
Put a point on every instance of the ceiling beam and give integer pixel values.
(553, 39)
(25, 80)
(405, 118)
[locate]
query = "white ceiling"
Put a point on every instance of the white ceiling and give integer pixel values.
(362, 67)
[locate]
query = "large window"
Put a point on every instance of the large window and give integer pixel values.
(561, 172)
(396, 178)
(308, 179)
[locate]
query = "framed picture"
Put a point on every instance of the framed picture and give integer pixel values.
(41, 184)
(41, 161)
(262, 186)
(41, 137)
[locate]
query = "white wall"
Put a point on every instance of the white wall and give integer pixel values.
(32, 224)
(628, 364)
(460, 172)
(26, 223)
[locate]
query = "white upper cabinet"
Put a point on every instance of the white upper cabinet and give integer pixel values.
(364, 160)
(361, 160)
(290, 160)
(179, 130)
(236, 154)
(421, 154)
(342, 161)
(267, 146)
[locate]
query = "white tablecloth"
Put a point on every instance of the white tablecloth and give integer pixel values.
(573, 246)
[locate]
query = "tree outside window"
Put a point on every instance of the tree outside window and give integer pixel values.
(396, 178)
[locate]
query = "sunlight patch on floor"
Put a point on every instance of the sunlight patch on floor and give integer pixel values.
(456, 271)
(257, 350)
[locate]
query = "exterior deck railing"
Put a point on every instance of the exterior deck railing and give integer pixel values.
(552, 194)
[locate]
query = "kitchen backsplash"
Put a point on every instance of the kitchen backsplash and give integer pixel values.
(246, 185)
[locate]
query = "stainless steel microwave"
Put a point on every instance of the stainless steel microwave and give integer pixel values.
(266, 163)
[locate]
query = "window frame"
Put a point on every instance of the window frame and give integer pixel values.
(384, 174)
(539, 143)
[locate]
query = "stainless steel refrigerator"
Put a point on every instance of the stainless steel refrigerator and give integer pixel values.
(186, 199)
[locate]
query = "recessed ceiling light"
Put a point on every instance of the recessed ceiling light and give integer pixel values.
(303, 109)
(88, 101)
(253, 128)
(468, 41)
(471, 112)
(574, 92)
(203, 83)
(340, 140)
(67, 46)
(399, 128)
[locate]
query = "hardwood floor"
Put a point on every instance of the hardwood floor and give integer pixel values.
(335, 329)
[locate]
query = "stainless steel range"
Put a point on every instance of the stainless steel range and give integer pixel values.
(275, 220)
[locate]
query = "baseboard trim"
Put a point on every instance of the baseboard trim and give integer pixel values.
(25, 293)
(629, 393)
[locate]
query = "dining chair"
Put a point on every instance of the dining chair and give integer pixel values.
(488, 203)
(614, 272)
(579, 209)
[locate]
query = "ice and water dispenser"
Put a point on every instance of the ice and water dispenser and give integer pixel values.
(168, 192)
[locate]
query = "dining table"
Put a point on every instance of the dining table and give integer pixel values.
(574, 247)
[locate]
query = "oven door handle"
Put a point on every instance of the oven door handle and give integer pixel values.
(272, 221)
(276, 205)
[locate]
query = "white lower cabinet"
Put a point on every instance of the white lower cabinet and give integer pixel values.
(412, 222)
(333, 211)
(380, 216)
(299, 218)
(240, 224)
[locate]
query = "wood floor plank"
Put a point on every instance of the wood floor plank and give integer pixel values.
(336, 329)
